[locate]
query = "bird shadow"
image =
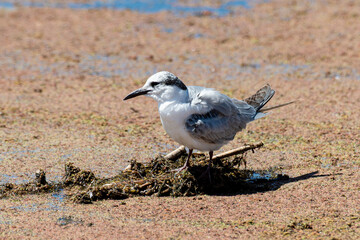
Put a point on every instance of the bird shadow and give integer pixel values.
(223, 183)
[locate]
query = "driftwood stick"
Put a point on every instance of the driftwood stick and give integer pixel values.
(181, 150)
(176, 153)
(238, 150)
(170, 156)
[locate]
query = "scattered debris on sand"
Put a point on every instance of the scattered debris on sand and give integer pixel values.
(39, 185)
(156, 178)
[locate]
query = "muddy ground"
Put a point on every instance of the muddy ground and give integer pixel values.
(64, 73)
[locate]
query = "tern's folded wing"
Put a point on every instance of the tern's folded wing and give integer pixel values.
(204, 100)
(211, 127)
(216, 118)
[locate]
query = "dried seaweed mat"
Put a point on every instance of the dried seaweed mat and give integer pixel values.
(226, 176)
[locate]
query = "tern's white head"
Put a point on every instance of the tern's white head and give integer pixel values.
(162, 86)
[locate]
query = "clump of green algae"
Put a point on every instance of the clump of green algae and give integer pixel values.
(155, 178)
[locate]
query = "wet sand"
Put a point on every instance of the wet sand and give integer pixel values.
(63, 76)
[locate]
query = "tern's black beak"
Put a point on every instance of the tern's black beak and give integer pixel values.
(136, 93)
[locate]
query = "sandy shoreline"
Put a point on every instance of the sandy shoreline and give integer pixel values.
(64, 73)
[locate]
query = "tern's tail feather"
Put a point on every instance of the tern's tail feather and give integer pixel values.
(277, 106)
(261, 97)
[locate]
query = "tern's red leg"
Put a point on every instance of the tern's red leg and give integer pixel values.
(207, 171)
(186, 165)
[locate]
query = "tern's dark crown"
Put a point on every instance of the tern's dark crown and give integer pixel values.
(175, 81)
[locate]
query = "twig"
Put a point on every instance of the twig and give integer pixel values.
(170, 156)
(181, 150)
(238, 150)
(176, 153)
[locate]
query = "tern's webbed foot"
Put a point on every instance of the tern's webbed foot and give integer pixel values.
(186, 165)
(178, 170)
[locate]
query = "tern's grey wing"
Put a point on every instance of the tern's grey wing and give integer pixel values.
(204, 100)
(217, 118)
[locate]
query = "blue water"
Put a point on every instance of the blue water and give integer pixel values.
(144, 6)
(5, 178)
(113, 66)
(6, 5)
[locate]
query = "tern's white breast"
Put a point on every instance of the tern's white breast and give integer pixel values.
(173, 116)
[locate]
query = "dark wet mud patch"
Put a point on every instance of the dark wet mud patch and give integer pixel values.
(227, 176)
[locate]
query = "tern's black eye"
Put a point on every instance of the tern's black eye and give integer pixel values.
(153, 84)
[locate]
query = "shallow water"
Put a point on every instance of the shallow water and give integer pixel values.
(259, 176)
(52, 205)
(112, 66)
(144, 6)
(5, 178)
